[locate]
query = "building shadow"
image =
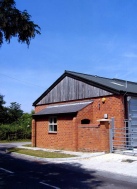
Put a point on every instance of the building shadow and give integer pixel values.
(31, 173)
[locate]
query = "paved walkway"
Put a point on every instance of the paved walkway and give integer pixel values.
(113, 163)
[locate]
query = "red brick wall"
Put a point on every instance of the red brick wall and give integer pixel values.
(39, 108)
(71, 135)
(63, 139)
(93, 138)
(113, 106)
(33, 133)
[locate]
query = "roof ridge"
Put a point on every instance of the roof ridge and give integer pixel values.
(96, 76)
(66, 71)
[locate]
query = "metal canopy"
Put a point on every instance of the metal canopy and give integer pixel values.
(63, 108)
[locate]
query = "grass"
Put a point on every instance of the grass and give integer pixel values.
(27, 145)
(40, 153)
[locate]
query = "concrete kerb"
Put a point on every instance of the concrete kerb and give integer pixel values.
(78, 155)
(118, 164)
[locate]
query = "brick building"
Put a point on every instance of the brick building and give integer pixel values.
(74, 113)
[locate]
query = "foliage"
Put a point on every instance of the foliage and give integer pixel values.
(14, 132)
(15, 23)
(9, 114)
(2, 102)
(14, 124)
(3, 109)
(14, 112)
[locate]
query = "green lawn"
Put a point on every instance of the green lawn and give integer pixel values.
(40, 153)
(28, 145)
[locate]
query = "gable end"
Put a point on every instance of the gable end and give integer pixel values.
(68, 89)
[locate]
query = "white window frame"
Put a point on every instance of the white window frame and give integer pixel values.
(53, 125)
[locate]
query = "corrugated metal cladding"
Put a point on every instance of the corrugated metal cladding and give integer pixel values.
(63, 108)
(71, 89)
(132, 116)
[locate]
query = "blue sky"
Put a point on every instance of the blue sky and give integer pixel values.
(94, 37)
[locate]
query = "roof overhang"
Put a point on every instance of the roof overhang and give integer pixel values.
(67, 108)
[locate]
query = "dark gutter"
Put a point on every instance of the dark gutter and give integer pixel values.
(47, 115)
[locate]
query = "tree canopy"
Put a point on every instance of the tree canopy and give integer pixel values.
(2, 109)
(1, 101)
(16, 23)
(14, 123)
(14, 112)
(9, 114)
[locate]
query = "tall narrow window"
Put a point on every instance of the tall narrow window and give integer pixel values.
(52, 124)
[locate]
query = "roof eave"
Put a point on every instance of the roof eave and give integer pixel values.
(43, 115)
(129, 93)
(49, 89)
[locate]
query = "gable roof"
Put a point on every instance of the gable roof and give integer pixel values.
(116, 86)
(63, 108)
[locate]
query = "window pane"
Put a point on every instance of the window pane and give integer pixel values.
(52, 124)
(50, 120)
(55, 120)
(55, 127)
(51, 128)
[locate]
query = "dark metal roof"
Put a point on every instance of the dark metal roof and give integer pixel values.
(115, 86)
(63, 108)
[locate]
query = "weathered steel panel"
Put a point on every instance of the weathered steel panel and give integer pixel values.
(72, 89)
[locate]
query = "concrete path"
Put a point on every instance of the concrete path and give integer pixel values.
(113, 163)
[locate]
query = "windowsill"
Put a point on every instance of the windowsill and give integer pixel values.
(52, 132)
(104, 120)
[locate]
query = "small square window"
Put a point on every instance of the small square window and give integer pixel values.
(52, 125)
